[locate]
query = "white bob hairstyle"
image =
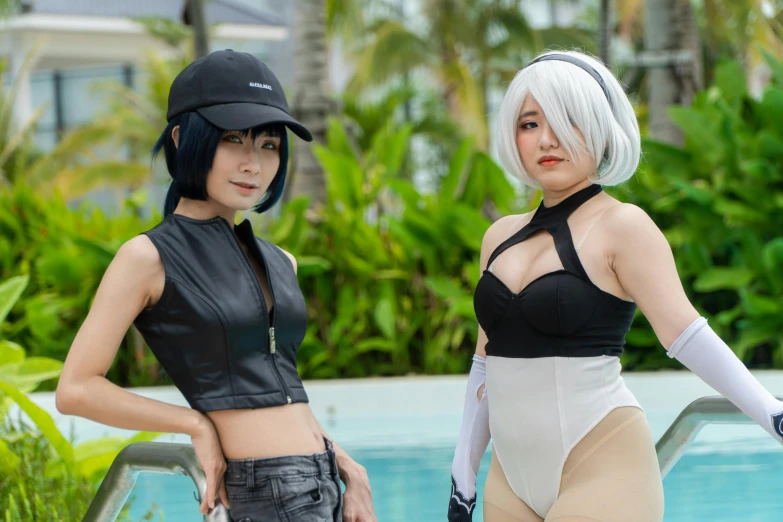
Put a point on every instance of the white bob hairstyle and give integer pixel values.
(573, 100)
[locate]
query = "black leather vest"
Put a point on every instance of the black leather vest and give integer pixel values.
(211, 330)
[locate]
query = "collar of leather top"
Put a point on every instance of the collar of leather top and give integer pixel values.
(554, 220)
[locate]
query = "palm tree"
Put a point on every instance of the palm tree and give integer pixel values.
(15, 136)
(732, 27)
(465, 46)
(311, 102)
(670, 26)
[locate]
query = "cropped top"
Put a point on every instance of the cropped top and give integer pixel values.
(211, 330)
(562, 313)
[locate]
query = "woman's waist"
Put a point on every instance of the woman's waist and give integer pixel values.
(554, 391)
(575, 375)
(268, 432)
(322, 463)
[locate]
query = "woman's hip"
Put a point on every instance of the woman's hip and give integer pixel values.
(286, 489)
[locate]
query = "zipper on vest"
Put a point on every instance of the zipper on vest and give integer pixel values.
(273, 359)
(272, 348)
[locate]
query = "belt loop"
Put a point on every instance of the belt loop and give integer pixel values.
(251, 476)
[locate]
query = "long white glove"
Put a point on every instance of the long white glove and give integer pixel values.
(473, 440)
(705, 354)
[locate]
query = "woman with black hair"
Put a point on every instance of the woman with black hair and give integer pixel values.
(221, 310)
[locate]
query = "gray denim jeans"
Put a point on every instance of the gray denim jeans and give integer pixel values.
(299, 488)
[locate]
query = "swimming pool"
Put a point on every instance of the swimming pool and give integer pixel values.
(403, 430)
(412, 485)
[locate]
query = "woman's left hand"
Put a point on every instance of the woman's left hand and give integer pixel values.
(357, 499)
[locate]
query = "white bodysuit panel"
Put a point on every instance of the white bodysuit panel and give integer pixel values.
(540, 408)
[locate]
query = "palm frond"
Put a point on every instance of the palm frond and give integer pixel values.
(394, 51)
(78, 181)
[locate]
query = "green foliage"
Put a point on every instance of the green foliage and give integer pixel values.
(27, 493)
(43, 476)
(465, 48)
(15, 369)
(65, 252)
(388, 271)
(719, 201)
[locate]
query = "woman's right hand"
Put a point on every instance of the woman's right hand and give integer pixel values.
(206, 444)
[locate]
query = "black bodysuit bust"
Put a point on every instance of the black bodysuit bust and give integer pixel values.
(560, 314)
(211, 330)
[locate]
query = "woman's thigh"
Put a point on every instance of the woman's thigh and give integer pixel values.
(612, 475)
(501, 503)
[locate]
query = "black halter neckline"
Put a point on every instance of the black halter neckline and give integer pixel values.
(554, 220)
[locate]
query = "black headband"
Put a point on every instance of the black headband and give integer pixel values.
(579, 63)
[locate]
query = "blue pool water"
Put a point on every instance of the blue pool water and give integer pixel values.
(413, 485)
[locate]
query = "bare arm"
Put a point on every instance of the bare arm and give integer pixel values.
(645, 267)
(83, 389)
(127, 287)
(644, 264)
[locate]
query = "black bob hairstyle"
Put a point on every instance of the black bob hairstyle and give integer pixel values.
(190, 163)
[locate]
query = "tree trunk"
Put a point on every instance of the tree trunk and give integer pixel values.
(196, 19)
(605, 32)
(693, 71)
(660, 36)
(311, 104)
(670, 30)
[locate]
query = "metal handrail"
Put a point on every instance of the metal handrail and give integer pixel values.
(699, 413)
(157, 457)
(181, 459)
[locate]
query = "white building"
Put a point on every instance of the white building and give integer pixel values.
(80, 42)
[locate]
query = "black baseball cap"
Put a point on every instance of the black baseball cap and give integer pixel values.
(233, 91)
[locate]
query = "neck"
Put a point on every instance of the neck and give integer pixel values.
(553, 197)
(196, 209)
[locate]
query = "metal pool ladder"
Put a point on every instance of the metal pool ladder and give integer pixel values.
(699, 413)
(156, 457)
(159, 457)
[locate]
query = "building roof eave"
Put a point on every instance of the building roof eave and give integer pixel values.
(34, 22)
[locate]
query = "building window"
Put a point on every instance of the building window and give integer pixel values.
(72, 97)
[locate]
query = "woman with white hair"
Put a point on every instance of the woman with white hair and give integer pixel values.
(558, 292)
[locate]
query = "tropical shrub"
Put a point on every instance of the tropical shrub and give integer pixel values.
(387, 270)
(43, 476)
(719, 201)
(25, 373)
(65, 252)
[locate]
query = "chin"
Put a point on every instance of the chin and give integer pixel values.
(558, 182)
(238, 204)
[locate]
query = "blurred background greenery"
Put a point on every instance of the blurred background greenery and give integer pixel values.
(386, 211)
(388, 239)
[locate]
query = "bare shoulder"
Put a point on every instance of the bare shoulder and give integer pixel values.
(136, 272)
(140, 253)
(500, 230)
(138, 260)
(629, 226)
(290, 257)
(626, 219)
(503, 227)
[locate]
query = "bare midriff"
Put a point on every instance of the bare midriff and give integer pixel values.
(268, 432)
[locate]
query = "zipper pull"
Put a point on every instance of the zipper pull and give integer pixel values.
(289, 398)
(272, 340)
